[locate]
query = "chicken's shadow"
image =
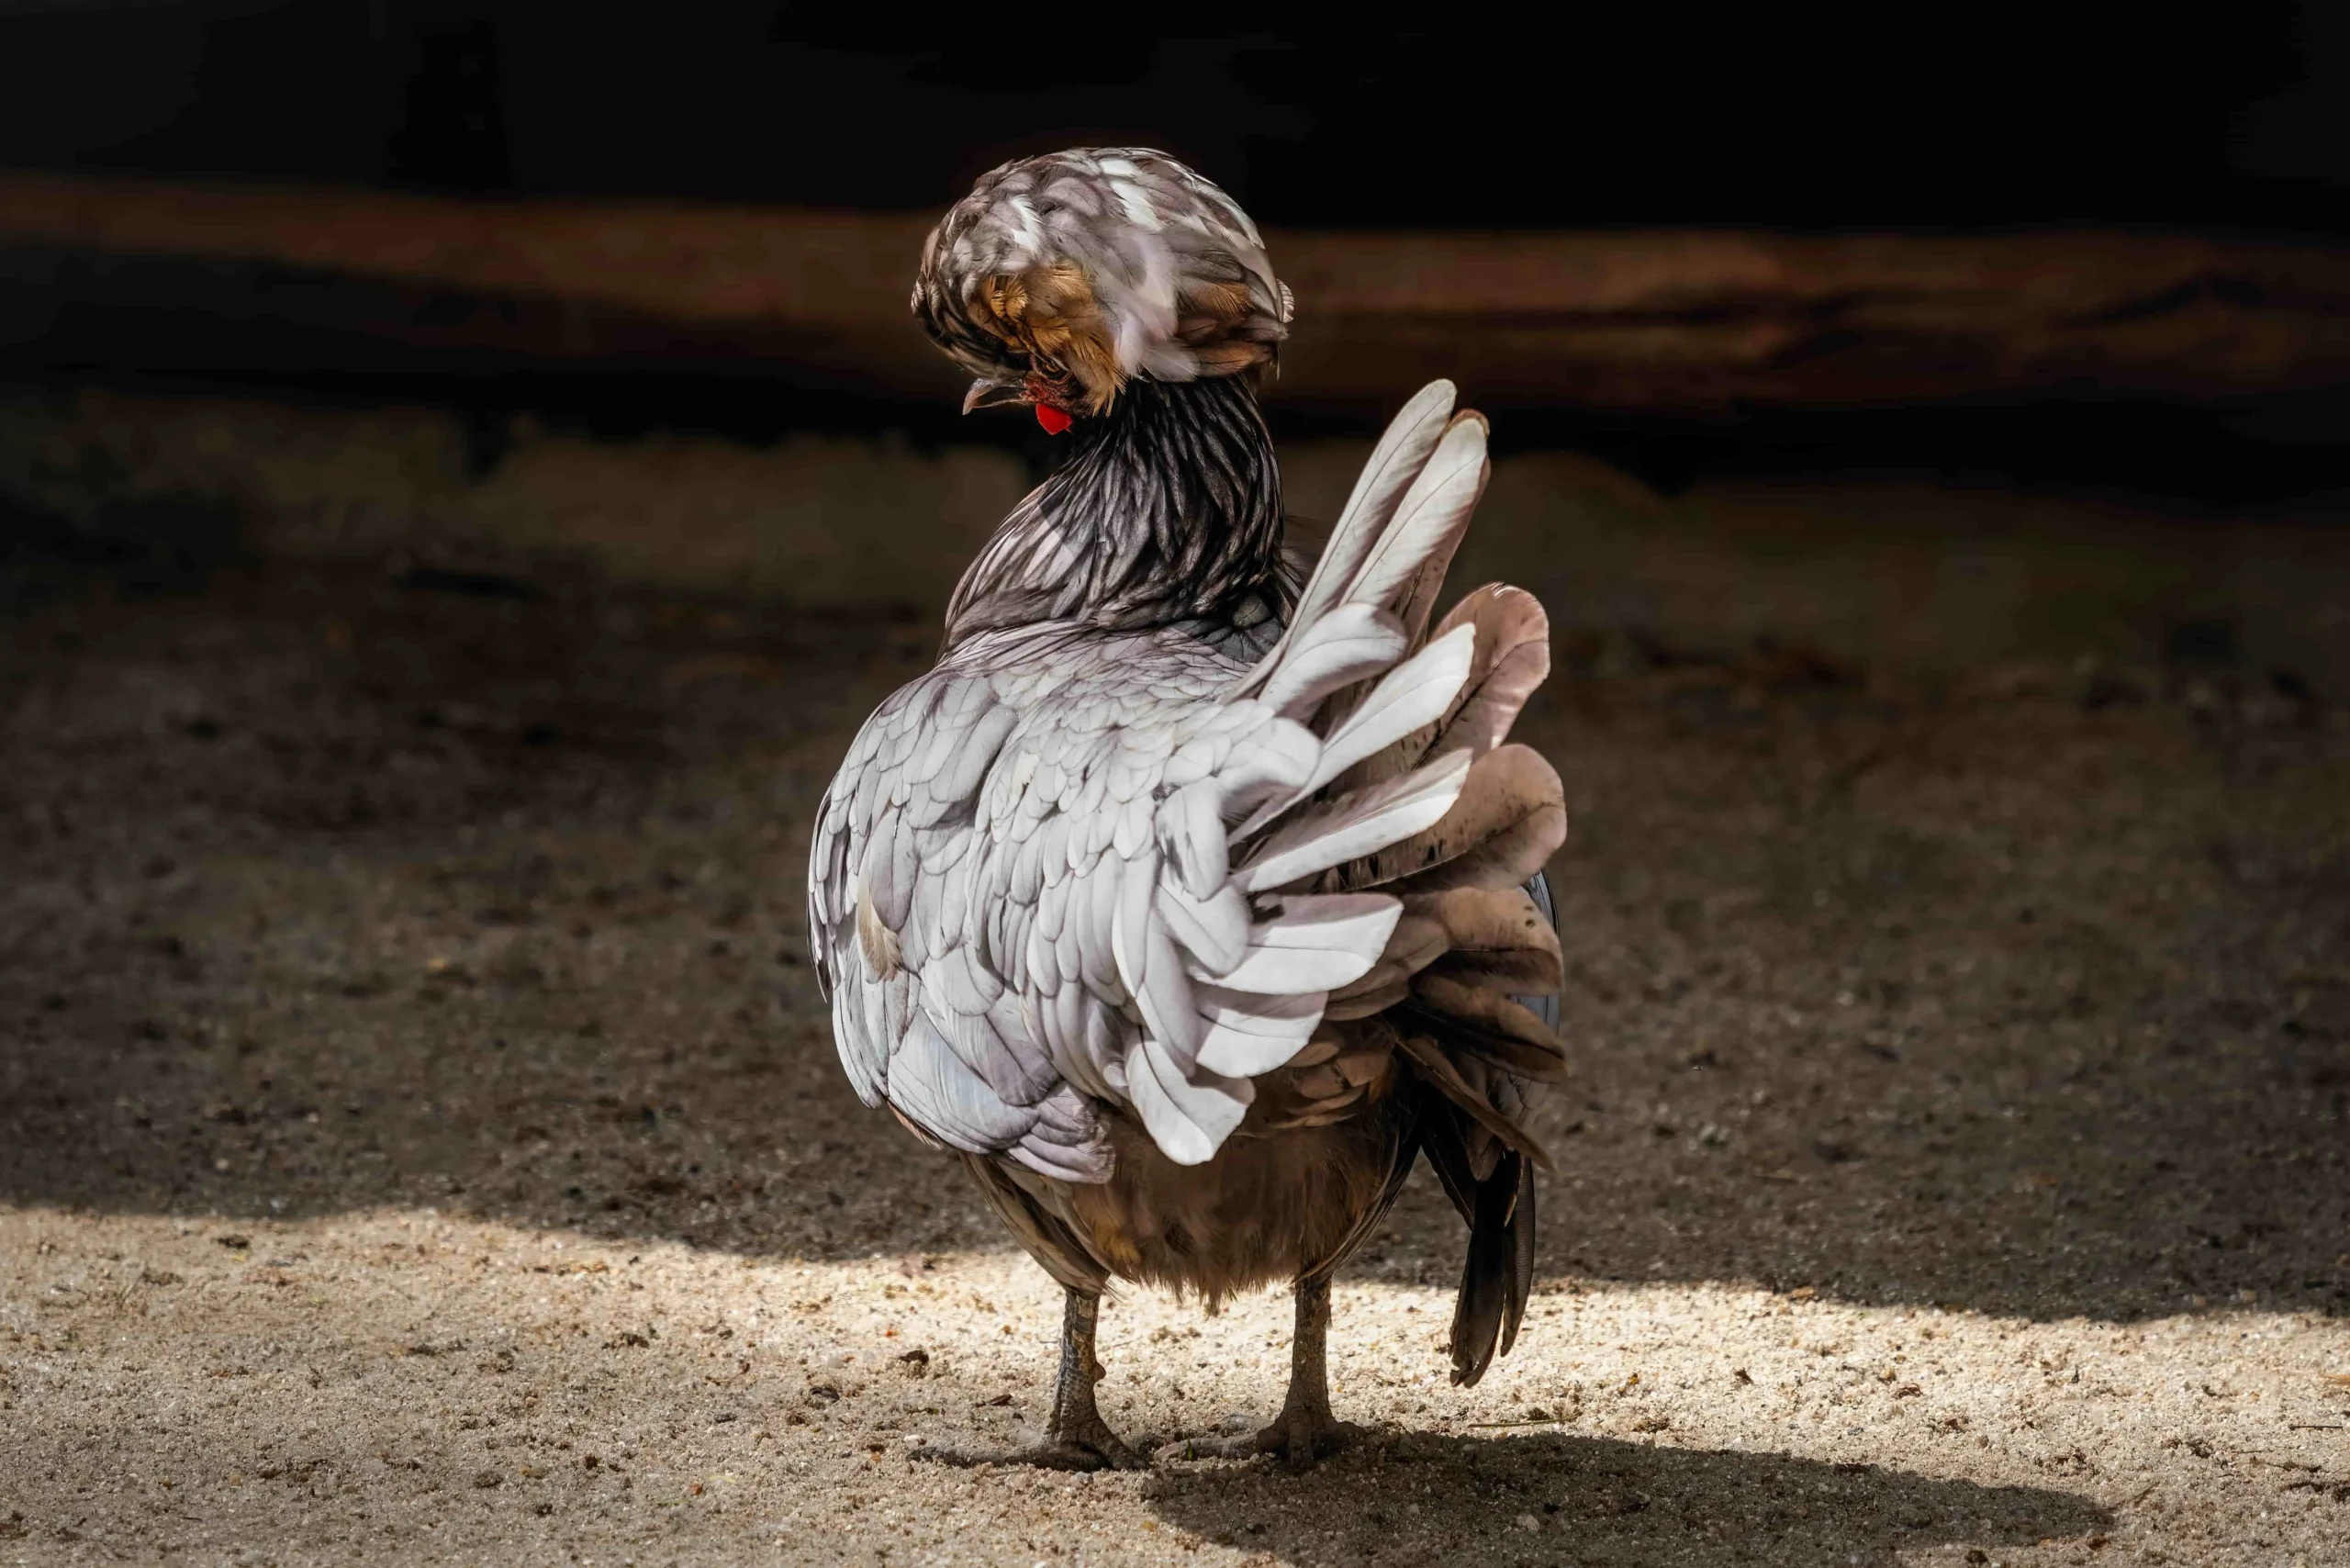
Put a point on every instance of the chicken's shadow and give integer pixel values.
(1554, 1497)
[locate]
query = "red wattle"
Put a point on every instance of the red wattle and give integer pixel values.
(1052, 419)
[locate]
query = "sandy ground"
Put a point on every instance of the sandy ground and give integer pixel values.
(419, 1139)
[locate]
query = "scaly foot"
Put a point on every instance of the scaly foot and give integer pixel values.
(1301, 1438)
(1304, 1437)
(1089, 1445)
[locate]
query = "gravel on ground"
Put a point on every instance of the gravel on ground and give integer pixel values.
(421, 1140)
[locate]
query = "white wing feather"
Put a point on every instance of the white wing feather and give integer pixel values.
(1357, 825)
(1350, 643)
(1416, 692)
(1401, 453)
(1314, 942)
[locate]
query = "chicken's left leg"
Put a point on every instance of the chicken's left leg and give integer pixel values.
(1305, 1430)
(1076, 1438)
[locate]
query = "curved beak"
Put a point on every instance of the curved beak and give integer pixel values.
(987, 393)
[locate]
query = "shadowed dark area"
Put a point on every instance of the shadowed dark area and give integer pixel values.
(1552, 1498)
(2000, 114)
(330, 890)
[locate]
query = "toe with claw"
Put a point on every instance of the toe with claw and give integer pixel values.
(1304, 1438)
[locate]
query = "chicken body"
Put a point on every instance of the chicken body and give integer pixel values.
(1191, 904)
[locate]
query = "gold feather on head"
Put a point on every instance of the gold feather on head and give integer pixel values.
(1060, 278)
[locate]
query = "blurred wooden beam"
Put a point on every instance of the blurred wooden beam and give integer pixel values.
(1653, 320)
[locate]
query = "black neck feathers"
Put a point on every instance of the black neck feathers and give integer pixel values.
(1168, 507)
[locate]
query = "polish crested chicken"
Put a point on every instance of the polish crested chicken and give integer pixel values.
(1193, 895)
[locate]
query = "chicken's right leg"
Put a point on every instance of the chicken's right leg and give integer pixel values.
(1076, 1438)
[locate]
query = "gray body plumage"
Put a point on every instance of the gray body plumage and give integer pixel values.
(1005, 818)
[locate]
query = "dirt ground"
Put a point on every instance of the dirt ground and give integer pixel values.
(420, 1141)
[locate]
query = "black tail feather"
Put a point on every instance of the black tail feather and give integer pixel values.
(1521, 1272)
(1522, 1223)
(1498, 1273)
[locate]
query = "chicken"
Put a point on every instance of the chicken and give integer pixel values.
(1192, 897)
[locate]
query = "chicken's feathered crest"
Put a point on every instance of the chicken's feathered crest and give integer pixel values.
(1084, 269)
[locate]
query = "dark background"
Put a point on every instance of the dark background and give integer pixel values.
(2234, 122)
(2236, 117)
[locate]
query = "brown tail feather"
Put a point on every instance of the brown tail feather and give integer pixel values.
(1445, 1073)
(1488, 919)
(1419, 940)
(1486, 1009)
(1510, 819)
(1518, 971)
(1495, 938)
(1543, 1061)
(1512, 657)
